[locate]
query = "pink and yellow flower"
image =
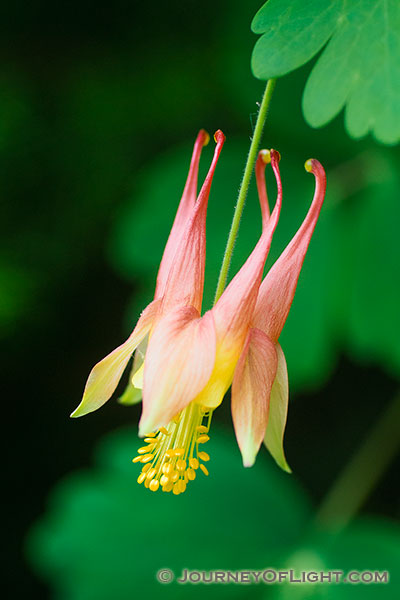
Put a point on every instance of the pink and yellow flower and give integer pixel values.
(185, 363)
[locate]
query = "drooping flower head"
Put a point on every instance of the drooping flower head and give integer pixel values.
(185, 362)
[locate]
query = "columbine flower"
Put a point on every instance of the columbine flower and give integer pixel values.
(185, 363)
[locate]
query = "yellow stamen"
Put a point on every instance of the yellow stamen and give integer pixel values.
(164, 480)
(147, 457)
(167, 468)
(150, 474)
(204, 456)
(154, 485)
(172, 455)
(146, 449)
(191, 474)
(204, 469)
(174, 476)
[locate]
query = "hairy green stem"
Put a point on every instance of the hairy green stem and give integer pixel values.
(244, 186)
(363, 470)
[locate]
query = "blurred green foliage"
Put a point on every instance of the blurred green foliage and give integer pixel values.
(359, 68)
(105, 536)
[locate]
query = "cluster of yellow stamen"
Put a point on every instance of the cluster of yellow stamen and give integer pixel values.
(173, 456)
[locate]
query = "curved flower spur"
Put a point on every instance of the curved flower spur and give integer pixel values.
(260, 387)
(185, 363)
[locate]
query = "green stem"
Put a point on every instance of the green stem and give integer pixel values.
(244, 186)
(363, 471)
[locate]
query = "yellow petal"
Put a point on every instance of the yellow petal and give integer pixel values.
(137, 379)
(227, 354)
(104, 377)
(133, 391)
(131, 396)
(278, 413)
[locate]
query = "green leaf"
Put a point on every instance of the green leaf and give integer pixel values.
(294, 31)
(104, 536)
(359, 69)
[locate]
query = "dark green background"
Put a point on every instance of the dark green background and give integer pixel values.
(98, 109)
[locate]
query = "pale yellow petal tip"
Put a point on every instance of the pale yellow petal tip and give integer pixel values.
(84, 408)
(125, 400)
(284, 466)
(308, 165)
(265, 156)
(249, 454)
(130, 397)
(145, 427)
(77, 413)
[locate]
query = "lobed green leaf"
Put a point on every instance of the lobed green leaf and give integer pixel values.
(358, 70)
